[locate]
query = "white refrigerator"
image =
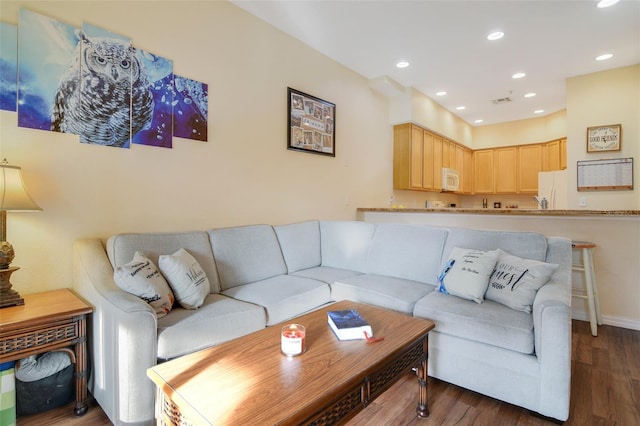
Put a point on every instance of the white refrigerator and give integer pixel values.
(554, 187)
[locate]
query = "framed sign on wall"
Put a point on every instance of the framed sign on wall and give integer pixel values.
(604, 138)
(312, 124)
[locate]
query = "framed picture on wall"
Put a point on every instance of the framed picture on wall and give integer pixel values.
(604, 138)
(312, 124)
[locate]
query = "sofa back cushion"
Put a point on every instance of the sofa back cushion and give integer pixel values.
(528, 245)
(411, 252)
(122, 247)
(300, 244)
(345, 244)
(246, 254)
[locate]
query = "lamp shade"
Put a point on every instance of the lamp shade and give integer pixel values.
(13, 194)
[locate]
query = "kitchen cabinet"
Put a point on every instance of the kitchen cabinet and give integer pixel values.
(529, 165)
(554, 155)
(437, 162)
(483, 171)
(467, 171)
(445, 154)
(419, 156)
(407, 156)
(453, 150)
(505, 170)
(428, 171)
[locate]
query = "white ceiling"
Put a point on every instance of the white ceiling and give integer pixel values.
(445, 42)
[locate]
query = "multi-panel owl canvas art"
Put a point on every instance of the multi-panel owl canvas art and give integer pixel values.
(8, 66)
(96, 84)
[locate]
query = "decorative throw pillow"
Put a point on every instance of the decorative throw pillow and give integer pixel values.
(142, 278)
(186, 277)
(515, 281)
(466, 273)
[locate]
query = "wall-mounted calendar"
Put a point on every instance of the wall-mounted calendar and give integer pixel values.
(605, 175)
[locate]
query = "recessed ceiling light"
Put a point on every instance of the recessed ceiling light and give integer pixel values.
(606, 3)
(529, 95)
(538, 111)
(496, 35)
(479, 121)
(441, 93)
(460, 108)
(518, 75)
(604, 57)
(402, 64)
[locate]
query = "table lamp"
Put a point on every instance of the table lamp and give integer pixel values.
(13, 197)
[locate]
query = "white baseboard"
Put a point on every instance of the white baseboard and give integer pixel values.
(609, 320)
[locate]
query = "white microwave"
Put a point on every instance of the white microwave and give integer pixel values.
(450, 180)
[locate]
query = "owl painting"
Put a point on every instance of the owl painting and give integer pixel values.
(110, 101)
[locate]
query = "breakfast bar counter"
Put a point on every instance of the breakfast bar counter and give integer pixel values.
(506, 211)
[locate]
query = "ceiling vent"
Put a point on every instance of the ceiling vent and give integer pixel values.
(501, 100)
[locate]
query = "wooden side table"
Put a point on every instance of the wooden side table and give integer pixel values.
(47, 321)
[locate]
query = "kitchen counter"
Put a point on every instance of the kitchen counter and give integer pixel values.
(505, 211)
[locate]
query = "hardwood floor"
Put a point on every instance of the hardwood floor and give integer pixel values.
(605, 390)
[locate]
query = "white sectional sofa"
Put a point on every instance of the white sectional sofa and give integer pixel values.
(261, 275)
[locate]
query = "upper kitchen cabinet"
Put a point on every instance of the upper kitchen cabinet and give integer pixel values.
(529, 165)
(467, 171)
(419, 156)
(437, 162)
(407, 156)
(554, 155)
(428, 172)
(505, 170)
(483, 171)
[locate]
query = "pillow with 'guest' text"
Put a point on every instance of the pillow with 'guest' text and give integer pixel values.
(515, 281)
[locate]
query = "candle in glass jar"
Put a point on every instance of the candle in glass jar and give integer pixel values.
(292, 340)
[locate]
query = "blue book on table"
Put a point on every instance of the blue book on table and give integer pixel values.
(348, 325)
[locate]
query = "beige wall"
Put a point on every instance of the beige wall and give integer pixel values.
(520, 132)
(416, 107)
(608, 97)
(244, 174)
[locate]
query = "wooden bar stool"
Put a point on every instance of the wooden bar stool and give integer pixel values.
(591, 287)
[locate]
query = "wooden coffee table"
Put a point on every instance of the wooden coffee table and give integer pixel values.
(249, 381)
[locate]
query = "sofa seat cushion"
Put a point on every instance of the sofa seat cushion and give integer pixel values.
(490, 322)
(283, 296)
(327, 274)
(392, 293)
(218, 320)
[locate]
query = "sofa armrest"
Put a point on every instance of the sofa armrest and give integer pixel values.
(552, 329)
(122, 337)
